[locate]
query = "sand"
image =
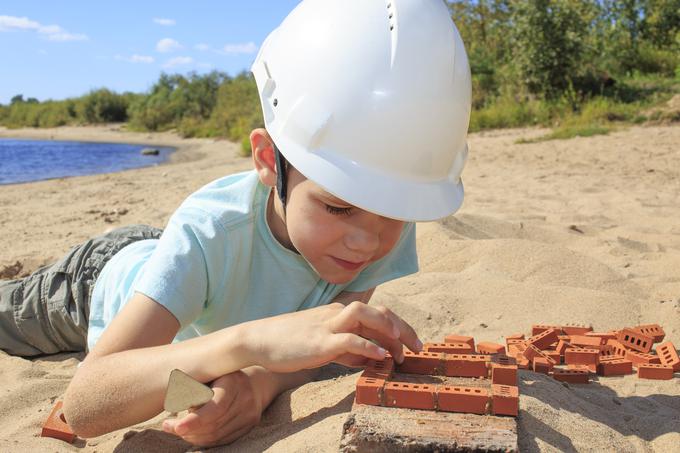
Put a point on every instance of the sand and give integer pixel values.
(585, 230)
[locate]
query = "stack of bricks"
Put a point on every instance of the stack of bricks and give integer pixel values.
(381, 383)
(572, 353)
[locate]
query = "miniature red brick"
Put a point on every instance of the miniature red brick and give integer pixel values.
(586, 341)
(582, 356)
(633, 339)
(542, 365)
(503, 374)
(590, 368)
(515, 336)
(466, 365)
(553, 354)
(544, 339)
(504, 400)
(409, 396)
(502, 359)
(619, 349)
(607, 350)
(615, 367)
(381, 369)
(449, 348)
(56, 427)
(370, 391)
(473, 400)
(460, 339)
(571, 376)
(668, 355)
(639, 358)
(655, 371)
(538, 328)
(603, 335)
(522, 362)
(532, 352)
(562, 346)
(652, 330)
(576, 330)
(421, 363)
(486, 347)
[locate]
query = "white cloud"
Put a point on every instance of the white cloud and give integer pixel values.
(234, 49)
(136, 59)
(51, 32)
(164, 21)
(166, 45)
(178, 61)
(202, 47)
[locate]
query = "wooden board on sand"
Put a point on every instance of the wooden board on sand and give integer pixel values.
(386, 429)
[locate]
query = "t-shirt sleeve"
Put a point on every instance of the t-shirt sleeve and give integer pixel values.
(176, 275)
(401, 261)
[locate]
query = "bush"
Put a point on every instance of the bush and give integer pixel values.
(102, 106)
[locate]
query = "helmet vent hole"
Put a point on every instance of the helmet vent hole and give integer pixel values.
(276, 102)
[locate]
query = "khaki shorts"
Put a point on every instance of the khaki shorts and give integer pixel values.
(48, 311)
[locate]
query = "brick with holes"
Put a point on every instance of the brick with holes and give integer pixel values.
(582, 356)
(544, 339)
(503, 374)
(466, 365)
(421, 363)
(572, 376)
(449, 348)
(487, 347)
(538, 328)
(655, 371)
(453, 338)
(504, 400)
(542, 365)
(473, 400)
(576, 330)
(410, 396)
(381, 369)
(640, 358)
(585, 341)
(370, 391)
(635, 340)
(614, 367)
(652, 330)
(668, 355)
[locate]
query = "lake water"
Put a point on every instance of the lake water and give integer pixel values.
(34, 160)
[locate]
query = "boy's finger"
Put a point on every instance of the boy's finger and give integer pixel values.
(407, 335)
(369, 317)
(354, 344)
(394, 346)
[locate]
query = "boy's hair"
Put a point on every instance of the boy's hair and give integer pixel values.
(281, 176)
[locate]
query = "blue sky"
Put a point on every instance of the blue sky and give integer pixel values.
(60, 49)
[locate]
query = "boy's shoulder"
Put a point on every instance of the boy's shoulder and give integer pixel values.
(229, 200)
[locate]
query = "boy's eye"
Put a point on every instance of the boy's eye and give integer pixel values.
(338, 211)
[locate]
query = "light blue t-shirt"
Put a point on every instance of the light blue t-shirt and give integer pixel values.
(217, 264)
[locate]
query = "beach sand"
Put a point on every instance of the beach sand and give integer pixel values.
(582, 231)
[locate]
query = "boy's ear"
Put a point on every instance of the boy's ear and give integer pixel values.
(263, 156)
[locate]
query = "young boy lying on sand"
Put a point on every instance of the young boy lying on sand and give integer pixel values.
(262, 276)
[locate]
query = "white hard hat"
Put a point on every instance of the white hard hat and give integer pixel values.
(370, 100)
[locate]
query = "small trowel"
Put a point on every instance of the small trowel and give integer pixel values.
(185, 392)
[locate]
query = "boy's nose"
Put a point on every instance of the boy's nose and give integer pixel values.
(364, 238)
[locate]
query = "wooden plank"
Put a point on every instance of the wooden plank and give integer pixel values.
(384, 429)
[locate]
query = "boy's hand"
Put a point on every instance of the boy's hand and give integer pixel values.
(331, 333)
(234, 410)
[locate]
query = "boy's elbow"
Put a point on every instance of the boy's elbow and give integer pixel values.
(78, 413)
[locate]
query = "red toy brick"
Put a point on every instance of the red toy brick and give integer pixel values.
(571, 376)
(668, 355)
(655, 371)
(635, 340)
(553, 354)
(504, 400)
(562, 346)
(466, 365)
(576, 330)
(544, 339)
(532, 352)
(421, 363)
(449, 348)
(615, 367)
(462, 399)
(586, 341)
(370, 391)
(503, 374)
(619, 348)
(381, 369)
(604, 335)
(590, 368)
(542, 365)
(460, 339)
(582, 356)
(652, 330)
(539, 328)
(515, 336)
(410, 396)
(502, 360)
(639, 358)
(486, 347)
(56, 427)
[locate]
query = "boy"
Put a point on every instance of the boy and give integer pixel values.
(366, 106)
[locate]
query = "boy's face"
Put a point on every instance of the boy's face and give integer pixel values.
(337, 239)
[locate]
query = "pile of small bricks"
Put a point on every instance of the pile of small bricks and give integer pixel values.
(572, 353)
(456, 357)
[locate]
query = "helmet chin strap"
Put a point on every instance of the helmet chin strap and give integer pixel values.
(281, 177)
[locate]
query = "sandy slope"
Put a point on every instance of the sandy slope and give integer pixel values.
(584, 230)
